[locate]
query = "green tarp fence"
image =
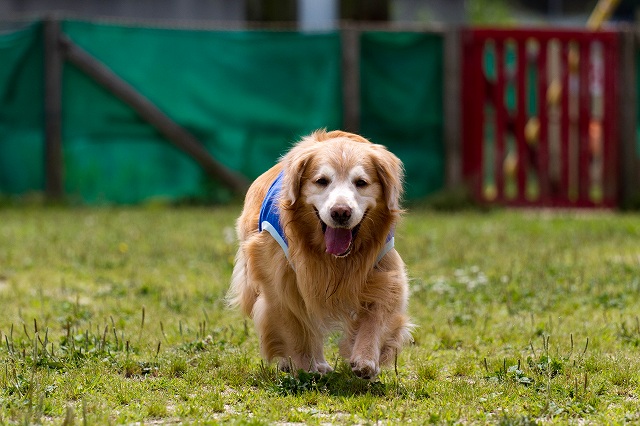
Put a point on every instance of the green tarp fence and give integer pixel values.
(401, 103)
(246, 95)
(22, 111)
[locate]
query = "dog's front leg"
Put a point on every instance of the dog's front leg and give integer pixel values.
(365, 354)
(288, 337)
(321, 364)
(306, 355)
(379, 327)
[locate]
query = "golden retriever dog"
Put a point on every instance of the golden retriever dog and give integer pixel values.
(316, 254)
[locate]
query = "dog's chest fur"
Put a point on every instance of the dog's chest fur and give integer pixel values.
(331, 293)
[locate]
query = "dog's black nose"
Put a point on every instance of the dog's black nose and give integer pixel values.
(341, 214)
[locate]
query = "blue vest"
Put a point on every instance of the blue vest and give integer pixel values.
(269, 220)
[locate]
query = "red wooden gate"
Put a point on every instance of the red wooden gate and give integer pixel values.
(540, 119)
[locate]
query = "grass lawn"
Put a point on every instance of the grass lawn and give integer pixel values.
(117, 316)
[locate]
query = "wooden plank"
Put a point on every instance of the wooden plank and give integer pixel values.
(611, 123)
(54, 163)
(351, 78)
(452, 103)
(584, 120)
(474, 95)
(521, 120)
(152, 114)
(542, 148)
(564, 123)
(501, 120)
(629, 187)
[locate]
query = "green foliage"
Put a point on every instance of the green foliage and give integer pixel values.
(118, 316)
(489, 12)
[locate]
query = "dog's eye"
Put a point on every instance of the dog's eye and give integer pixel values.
(322, 181)
(361, 183)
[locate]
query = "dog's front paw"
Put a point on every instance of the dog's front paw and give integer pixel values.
(286, 365)
(365, 369)
(289, 366)
(323, 368)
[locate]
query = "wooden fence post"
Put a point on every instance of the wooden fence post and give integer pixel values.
(351, 78)
(629, 177)
(452, 108)
(53, 63)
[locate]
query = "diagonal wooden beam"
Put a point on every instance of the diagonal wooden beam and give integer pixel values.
(152, 114)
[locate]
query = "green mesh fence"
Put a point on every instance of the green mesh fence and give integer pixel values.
(246, 95)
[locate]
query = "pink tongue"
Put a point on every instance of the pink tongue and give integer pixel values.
(337, 240)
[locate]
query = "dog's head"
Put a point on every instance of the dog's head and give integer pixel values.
(346, 181)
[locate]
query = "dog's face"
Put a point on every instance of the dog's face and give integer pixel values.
(341, 194)
(343, 180)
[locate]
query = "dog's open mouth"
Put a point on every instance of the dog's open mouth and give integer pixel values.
(339, 241)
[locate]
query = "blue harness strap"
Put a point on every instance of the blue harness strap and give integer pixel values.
(389, 244)
(269, 220)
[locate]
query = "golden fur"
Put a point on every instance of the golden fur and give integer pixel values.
(295, 304)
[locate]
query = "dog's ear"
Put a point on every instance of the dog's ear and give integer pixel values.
(294, 164)
(391, 175)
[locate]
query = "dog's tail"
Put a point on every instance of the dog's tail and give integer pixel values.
(241, 294)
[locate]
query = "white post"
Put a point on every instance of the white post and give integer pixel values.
(317, 15)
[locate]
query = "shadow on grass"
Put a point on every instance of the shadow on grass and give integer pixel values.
(341, 382)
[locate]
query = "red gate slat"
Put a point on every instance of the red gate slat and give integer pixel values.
(542, 165)
(563, 190)
(521, 118)
(611, 61)
(501, 119)
(584, 120)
